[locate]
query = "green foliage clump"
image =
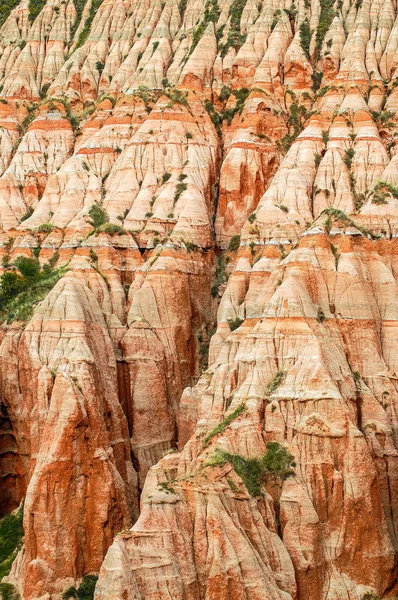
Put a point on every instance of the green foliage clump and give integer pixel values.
(28, 214)
(214, 116)
(382, 191)
(176, 96)
(229, 113)
(79, 6)
(45, 228)
(111, 228)
(225, 93)
(98, 215)
(348, 156)
(180, 188)
(221, 275)
(182, 6)
(305, 37)
(11, 533)
(234, 243)
(35, 7)
(235, 323)
(6, 6)
(235, 39)
(276, 382)
(325, 20)
(273, 467)
(25, 285)
(295, 124)
(221, 427)
(95, 4)
(191, 247)
(166, 487)
(85, 591)
(8, 592)
(211, 14)
(165, 177)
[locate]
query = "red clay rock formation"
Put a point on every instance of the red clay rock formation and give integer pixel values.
(211, 193)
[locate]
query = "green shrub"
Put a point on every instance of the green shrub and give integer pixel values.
(211, 14)
(241, 96)
(8, 592)
(85, 590)
(348, 156)
(305, 37)
(235, 323)
(234, 243)
(276, 382)
(180, 188)
(23, 287)
(325, 20)
(87, 25)
(11, 533)
(98, 215)
(110, 228)
(165, 177)
(6, 6)
(235, 39)
(191, 247)
(382, 191)
(45, 228)
(273, 467)
(28, 214)
(35, 7)
(166, 487)
(176, 96)
(221, 275)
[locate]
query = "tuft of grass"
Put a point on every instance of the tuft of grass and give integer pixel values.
(221, 427)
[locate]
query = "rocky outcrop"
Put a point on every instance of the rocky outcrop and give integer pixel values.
(203, 201)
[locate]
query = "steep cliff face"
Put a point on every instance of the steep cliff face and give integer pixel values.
(198, 221)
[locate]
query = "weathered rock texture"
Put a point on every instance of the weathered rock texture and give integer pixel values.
(219, 183)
